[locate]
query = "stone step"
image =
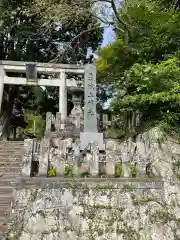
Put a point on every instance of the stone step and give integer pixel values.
(11, 145)
(10, 168)
(11, 175)
(10, 151)
(4, 158)
(6, 198)
(8, 182)
(8, 155)
(10, 164)
(4, 211)
(8, 191)
(9, 172)
(11, 142)
(2, 220)
(13, 156)
(10, 159)
(5, 207)
(6, 201)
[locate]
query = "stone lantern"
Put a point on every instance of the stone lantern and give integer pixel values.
(76, 115)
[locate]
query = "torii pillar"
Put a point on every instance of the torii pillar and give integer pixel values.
(2, 74)
(63, 97)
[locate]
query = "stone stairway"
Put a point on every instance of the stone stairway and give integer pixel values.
(10, 170)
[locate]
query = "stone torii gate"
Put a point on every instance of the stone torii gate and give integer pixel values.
(32, 69)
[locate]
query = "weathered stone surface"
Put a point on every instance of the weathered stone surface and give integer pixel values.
(48, 121)
(102, 213)
(71, 212)
(94, 163)
(27, 157)
(44, 157)
(126, 171)
(110, 163)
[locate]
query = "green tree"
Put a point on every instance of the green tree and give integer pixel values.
(25, 35)
(145, 72)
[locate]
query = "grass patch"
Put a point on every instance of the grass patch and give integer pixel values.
(51, 172)
(68, 171)
(118, 170)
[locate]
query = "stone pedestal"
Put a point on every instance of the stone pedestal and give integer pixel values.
(58, 122)
(76, 160)
(126, 170)
(94, 161)
(48, 121)
(141, 169)
(110, 167)
(27, 158)
(87, 137)
(60, 169)
(44, 157)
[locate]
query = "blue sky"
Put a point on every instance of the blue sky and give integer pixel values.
(108, 36)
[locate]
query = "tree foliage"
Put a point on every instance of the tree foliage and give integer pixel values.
(31, 31)
(146, 71)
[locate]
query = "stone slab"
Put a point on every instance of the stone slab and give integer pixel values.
(90, 115)
(87, 137)
(98, 183)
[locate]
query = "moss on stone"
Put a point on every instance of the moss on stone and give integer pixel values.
(133, 170)
(142, 200)
(127, 186)
(68, 171)
(51, 172)
(102, 206)
(106, 187)
(73, 187)
(118, 170)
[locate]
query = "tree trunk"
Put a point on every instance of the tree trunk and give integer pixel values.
(6, 116)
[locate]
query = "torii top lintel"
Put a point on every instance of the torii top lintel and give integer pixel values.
(18, 66)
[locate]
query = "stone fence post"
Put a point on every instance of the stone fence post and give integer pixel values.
(94, 161)
(48, 121)
(44, 157)
(27, 157)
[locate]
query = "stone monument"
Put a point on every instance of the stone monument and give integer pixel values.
(90, 133)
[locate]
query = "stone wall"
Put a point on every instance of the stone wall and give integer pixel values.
(103, 209)
(71, 210)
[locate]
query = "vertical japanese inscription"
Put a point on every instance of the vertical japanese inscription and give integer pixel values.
(90, 120)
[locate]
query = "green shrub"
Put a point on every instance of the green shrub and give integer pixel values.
(118, 170)
(68, 172)
(51, 172)
(133, 171)
(39, 124)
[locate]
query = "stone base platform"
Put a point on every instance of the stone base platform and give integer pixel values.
(101, 183)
